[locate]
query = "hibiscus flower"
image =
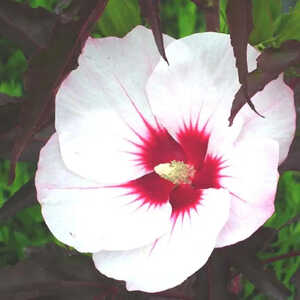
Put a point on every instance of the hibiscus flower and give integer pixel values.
(144, 171)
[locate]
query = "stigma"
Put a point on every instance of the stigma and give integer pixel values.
(176, 171)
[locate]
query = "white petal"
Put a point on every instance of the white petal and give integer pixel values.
(88, 217)
(276, 103)
(52, 172)
(252, 180)
(101, 107)
(174, 257)
(199, 84)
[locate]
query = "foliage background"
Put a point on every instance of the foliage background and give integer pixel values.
(275, 21)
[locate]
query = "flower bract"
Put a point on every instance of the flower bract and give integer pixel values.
(144, 171)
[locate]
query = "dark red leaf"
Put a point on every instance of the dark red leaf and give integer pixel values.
(9, 111)
(24, 197)
(218, 276)
(270, 64)
(211, 13)
(33, 148)
(29, 28)
(239, 16)
(198, 2)
(278, 60)
(6, 99)
(150, 10)
(52, 272)
(296, 281)
(47, 70)
(249, 265)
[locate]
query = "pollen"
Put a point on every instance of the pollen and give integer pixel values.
(176, 171)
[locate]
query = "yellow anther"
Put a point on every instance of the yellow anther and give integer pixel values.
(176, 171)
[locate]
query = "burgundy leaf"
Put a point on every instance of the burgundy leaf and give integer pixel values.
(198, 2)
(29, 28)
(9, 110)
(150, 11)
(52, 272)
(270, 64)
(49, 67)
(211, 13)
(61, 5)
(24, 197)
(296, 281)
(278, 60)
(218, 276)
(249, 265)
(33, 148)
(6, 99)
(239, 16)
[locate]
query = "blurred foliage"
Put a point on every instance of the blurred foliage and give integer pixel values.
(47, 4)
(24, 230)
(12, 66)
(279, 24)
(27, 228)
(118, 18)
(24, 172)
(287, 26)
(287, 207)
(223, 18)
(280, 20)
(265, 13)
(179, 19)
(287, 201)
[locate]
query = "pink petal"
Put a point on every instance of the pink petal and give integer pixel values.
(84, 215)
(102, 113)
(251, 178)
(174, 257)
(197, 87)
(276, 103)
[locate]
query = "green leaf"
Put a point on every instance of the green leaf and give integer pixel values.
(223, 17)
(47, 4)
(12, 66)
(181, 18)
(24, 171)
(248, 289)
(187, 16)
(287, 199)
(288, 26)
(118, 18)
(31, 214)
(264, 14)
(4, 234)
(288, 238)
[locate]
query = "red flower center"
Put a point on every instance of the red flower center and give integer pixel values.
(158, 148)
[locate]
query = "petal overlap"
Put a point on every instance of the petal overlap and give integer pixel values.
(90, 217)
(175, 256)
(275, 103)
(251, 178)
(99, 93)
(199, 84)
